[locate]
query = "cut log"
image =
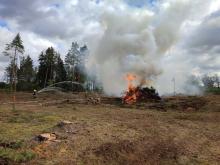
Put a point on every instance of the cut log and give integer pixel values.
(46, 137)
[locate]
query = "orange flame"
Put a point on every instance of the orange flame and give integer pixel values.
(130, 78)
(138, 93)
(132, 93)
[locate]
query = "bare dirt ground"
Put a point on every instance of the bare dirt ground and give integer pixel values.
(178, 130)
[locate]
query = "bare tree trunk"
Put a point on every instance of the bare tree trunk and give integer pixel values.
(12, 86)
(14, 79)
(46, 78)
(72, 78)
(51, 73)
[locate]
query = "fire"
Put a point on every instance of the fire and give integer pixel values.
(130, 78)
(138, 93)
(132, 93)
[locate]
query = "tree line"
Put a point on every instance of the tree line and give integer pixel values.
(53, 69)
(24, 75)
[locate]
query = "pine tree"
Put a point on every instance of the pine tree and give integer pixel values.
(9, 73)
(26, 71)
(60, 70)
(26, 75)
(75, 61)
(72, 59)
(13, 50)
(46, 71)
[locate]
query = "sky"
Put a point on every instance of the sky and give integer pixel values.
(194, 50)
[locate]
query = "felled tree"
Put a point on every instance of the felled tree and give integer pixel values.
(13, 50)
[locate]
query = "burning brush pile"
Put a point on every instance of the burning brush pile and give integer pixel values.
(138, 93)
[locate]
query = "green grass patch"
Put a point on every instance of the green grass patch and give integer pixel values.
(12, 155)
(17, 128)
(20, 116)
(23, 125)
(13, 144)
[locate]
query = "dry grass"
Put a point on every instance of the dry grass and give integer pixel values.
(104, 134)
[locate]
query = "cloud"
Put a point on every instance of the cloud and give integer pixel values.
(203, 44)
(5, 37)
(205, 35)
(42, 18)
(182, 34)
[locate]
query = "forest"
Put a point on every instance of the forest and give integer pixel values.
(51, 68)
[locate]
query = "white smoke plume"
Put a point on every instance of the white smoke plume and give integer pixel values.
(135, 40)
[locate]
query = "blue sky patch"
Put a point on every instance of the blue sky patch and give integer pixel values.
(3, 23)
(140, 3)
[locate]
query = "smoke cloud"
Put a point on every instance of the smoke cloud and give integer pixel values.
(134, 41)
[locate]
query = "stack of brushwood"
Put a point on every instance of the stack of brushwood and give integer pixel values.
(148, 94)
(141, 94)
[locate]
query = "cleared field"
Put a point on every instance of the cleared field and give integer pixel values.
(110, 134)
